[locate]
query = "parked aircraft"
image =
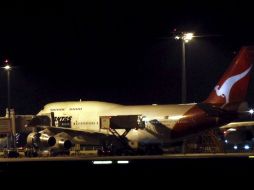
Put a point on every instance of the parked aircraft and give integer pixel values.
(62, 124)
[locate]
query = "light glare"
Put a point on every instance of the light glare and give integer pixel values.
(175, 117)
(246, 147)
(187, 37)
(251, 111)
(7, 67)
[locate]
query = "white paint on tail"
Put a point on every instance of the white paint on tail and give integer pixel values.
(224, 90)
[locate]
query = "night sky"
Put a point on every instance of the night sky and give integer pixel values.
(117, 51)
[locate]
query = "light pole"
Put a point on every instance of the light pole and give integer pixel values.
(185, 38)
(7, 67)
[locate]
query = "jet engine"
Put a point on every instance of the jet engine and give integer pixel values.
(63, 141)
(33, 139)
(47, 140)
(238, 136)
(36, 139)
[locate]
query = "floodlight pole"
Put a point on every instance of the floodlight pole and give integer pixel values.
(184, 91)
(8, 93)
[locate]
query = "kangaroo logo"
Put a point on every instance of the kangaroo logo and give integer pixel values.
(224, 90)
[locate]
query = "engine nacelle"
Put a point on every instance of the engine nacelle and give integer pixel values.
(40, 139)
(63, 141)
(47, 140)
(238, 136)
(33, 139)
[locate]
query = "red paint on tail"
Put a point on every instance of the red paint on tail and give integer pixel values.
(233, 85)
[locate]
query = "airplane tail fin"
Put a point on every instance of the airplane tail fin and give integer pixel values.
(233, 85)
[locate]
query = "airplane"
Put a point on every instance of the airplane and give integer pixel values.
(239, 132)
(62, 124)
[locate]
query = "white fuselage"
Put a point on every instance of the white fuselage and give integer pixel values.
(85, 116)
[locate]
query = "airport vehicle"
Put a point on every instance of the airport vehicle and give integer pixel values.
(142, 128)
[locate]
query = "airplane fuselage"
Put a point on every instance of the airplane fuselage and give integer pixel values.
(161, 122)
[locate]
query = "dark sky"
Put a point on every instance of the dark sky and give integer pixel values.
(117, 51)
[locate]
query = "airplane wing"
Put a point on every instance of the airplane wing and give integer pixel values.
(63, 129)
(77, 136)
(238, 124)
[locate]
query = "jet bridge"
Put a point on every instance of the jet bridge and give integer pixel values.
(5, 125)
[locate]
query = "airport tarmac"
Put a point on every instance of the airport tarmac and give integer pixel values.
(130, 169)
(130, 158)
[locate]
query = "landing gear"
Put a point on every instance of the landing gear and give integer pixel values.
(31, 152)
(152, 149)
(107, 149)
(57, 152)
(111, 150)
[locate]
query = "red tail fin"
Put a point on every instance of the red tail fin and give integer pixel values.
(233, 85)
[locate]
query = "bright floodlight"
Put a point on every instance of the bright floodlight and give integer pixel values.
(246, 147)
(251, 111)
(187, 37)
(7, 67)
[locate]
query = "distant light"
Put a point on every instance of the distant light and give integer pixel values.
(102, 162)
(235, 147)
(154, 104)
(226, 141)
(246, 147)
(7, 67)
(251, 156)
(123, 161)
(251, 111)
(177, 37)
